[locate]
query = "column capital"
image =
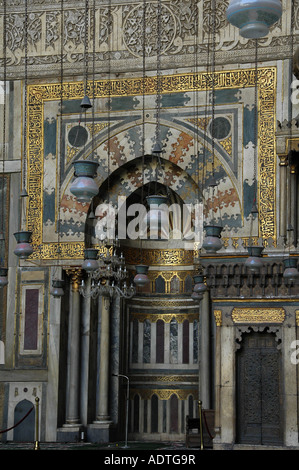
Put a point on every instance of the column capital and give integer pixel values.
(75, 274)
(283, 159)
(218, 317)
(293, 161)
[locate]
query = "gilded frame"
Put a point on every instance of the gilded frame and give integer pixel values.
(225, 79)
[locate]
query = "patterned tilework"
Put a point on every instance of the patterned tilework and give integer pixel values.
(188, 159)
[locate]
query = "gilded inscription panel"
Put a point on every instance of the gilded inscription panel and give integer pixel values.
(40, 95)
(258, 315)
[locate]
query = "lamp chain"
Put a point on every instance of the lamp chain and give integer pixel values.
(4, 118)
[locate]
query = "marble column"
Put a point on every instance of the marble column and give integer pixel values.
(85, 347)
(99, 430)
(53, 362)
(289, 367)
(283, 195)
(218, 319)
(71, 428)
(293, 199)
(103, 413)
(205, 352)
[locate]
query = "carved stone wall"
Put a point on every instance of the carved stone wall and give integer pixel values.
(185, 33)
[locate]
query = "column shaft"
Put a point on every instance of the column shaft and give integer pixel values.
(72, 410)
(205, 352)
(283, 195)
(103, 412)
(85, 346)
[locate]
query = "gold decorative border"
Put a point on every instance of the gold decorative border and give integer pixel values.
(38, 94)
(168, 277)
(166, 317)
(163, 378)
(163, 394)
(258, 315)
(159, 257)
(218, 317)
(163, 303)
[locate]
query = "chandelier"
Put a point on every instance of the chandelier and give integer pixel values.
(107, 273)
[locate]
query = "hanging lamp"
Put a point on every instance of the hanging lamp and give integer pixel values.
(23, 248)
(85, 103)
(57, 289)
(106, 271)
(3, 270)
(141, 279)
(212, 241)
(157, 148)
(290, 269)
(157, 218)
(3, 277)
(90, 262)
(199, 284)
(84, 186)
(254, 261)
(196, 296)
(254, 17)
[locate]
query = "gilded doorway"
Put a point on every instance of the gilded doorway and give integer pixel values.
(259, 410)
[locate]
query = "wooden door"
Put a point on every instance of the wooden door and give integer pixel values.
(259, 408)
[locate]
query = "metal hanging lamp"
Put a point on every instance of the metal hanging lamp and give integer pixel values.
(157, 148)
(141, 278)
(254, 17)
(290, 269)
(90, 262)
(3, 270)
(157, 218)
(84, 186)
(106, 271)
(254, 262)
(57, 289)
(24, 248)
(3, 277)
(212, 241)
(199, 287)
(85, 103)
(290, 263)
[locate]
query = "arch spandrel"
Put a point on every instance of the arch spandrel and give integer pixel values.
(234, 90)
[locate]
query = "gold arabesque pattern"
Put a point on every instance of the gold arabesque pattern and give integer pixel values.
(166, 317)
(258, 315)
(38, 94)
(164, 394)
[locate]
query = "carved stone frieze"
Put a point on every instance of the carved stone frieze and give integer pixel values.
(258, 328)
(232, 280)
(185, 36)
